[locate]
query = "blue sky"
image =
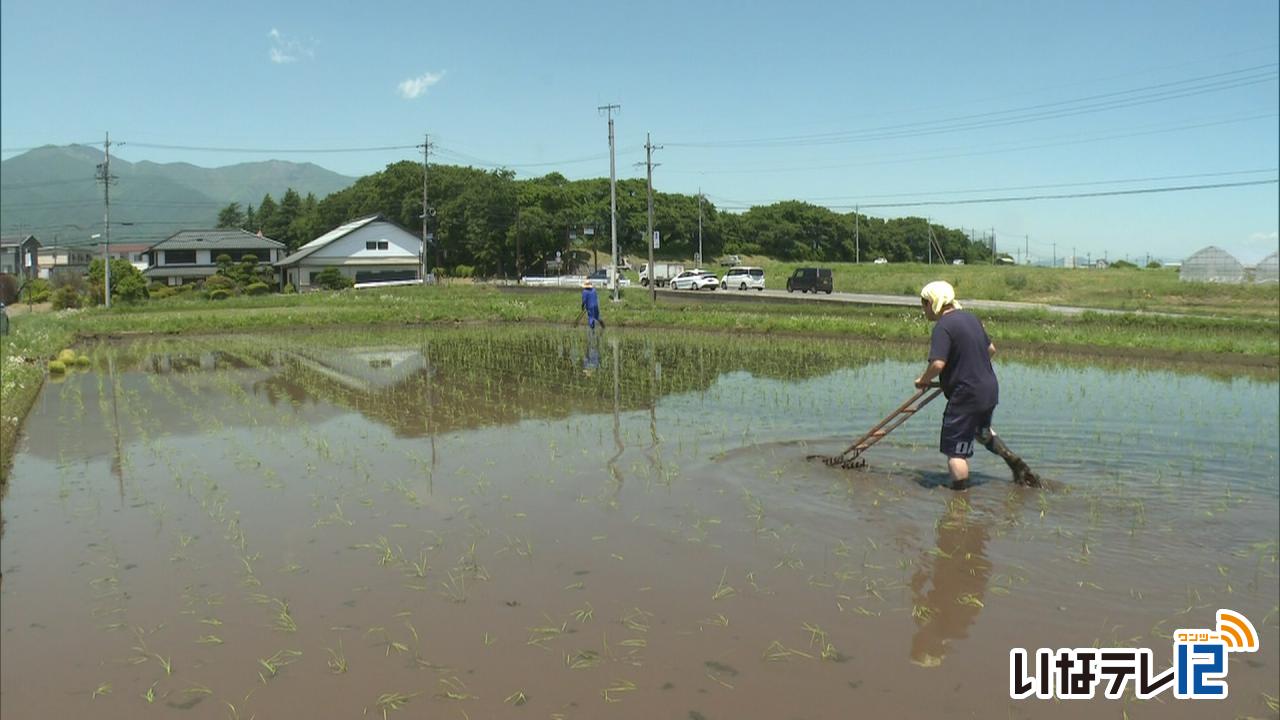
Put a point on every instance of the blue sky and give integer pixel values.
(838, 103)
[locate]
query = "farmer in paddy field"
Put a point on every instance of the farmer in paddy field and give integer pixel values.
(960, 354)
(591, 305)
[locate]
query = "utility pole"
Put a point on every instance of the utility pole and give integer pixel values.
(104, 174)
(648, 161)
(857, 248)
(1027, 240)
(700, 259)
(1074, 262)
(993, 246)
(613, 206)
(1055, 253)
(929, 227)
(426, 149)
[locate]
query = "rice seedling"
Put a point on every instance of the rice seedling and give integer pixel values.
(102, 690)
(516, 698)
(723, 590)
(390, 702)
(616, 688)
(337, 661)
(452, 688)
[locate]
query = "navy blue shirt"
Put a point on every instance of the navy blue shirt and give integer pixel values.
(968, 380)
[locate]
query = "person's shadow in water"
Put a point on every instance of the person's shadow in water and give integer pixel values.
(949, 586)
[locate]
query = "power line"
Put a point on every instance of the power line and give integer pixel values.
(210, 148)
(960, 152)
(1063, 196)
(1093, 103)
(1049, 185)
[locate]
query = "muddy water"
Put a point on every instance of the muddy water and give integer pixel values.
(528, 524)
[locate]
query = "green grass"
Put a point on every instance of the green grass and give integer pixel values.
(1251, 339)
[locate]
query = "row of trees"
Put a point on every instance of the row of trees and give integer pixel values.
(502, 226)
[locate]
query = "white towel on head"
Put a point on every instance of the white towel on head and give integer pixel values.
(939, 293)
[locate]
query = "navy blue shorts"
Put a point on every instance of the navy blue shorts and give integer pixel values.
(959, 430)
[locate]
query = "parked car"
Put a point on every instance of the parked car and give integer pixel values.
(730, 260)
(743, 278)
(695, 280)
(958, 261)
(810, 280)
(600, 278)
(880, 261)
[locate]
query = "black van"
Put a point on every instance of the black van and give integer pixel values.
(810, 280)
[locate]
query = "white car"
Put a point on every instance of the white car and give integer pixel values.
(880, 261)
(743, 278)
(695, 280)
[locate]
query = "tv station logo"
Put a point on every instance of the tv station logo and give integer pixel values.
(1199, 670)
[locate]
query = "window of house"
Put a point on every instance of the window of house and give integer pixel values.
(179, 257)
(376, 245)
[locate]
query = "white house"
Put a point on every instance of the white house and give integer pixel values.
(368, 249)
(192, 255)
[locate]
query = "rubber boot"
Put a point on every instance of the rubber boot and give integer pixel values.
(1022, 474)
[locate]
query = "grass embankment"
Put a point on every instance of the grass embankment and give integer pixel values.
(1157, 290)
(1243, 341)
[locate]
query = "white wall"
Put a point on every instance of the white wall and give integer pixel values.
(401, 245)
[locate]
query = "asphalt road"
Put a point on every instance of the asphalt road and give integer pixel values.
(873, 299)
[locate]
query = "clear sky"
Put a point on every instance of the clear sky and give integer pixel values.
(839, 103)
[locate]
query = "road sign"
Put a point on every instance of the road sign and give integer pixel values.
(657, 240)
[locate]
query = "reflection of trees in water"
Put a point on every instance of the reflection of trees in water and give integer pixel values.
(950, 583)
(478, 379)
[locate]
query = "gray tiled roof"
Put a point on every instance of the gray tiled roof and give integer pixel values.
(15, 240)
(220, 239)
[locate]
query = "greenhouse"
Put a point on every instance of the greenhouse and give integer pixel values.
(1268, 269)
(1212, 264)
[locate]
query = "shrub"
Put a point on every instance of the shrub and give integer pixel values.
(163, 292)
(1123, 264)
(463, 271)
(57, 367)
(82, 360)
(183, 288)
(258, 288)
(219, 282)
(1154, 265)
(8, 289)
(289, 289)
(65, 297)
(67, 356)
(331, 279)
(36, 290)
(219, 294)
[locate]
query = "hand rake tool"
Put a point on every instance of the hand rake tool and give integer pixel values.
(852, 455)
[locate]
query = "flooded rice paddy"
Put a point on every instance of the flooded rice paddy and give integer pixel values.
(520, 523)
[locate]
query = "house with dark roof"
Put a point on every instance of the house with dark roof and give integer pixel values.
(192, 255)
(368, 249)
(20, 255)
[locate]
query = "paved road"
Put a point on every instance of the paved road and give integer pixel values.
(901, 300)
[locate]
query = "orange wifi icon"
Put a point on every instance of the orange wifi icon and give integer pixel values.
(1236, 631)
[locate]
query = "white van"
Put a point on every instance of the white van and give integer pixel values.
(743, 278)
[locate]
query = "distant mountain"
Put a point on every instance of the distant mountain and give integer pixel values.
(50, 192)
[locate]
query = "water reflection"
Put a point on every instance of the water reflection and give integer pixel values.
(951, 578)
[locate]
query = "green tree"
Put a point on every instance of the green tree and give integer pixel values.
(231, 216)
(266, 216)
(127, 283)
